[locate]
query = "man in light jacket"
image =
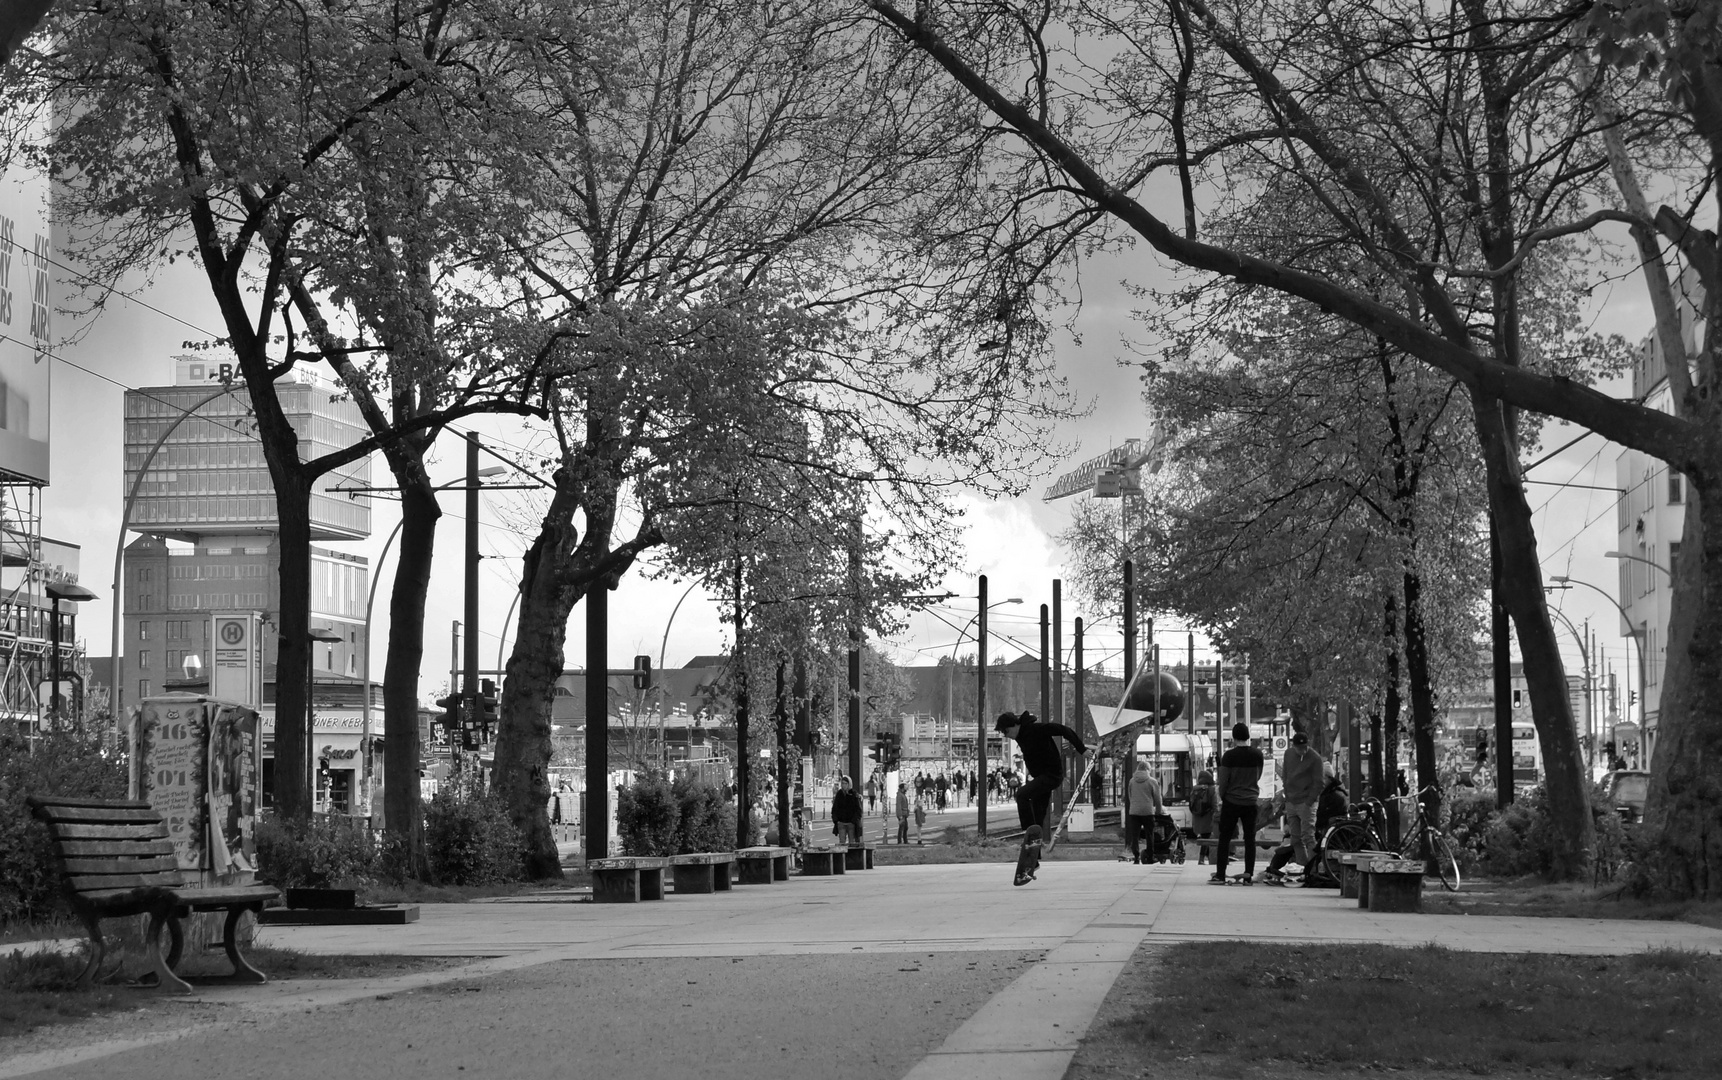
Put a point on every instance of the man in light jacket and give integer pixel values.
(1301, 771)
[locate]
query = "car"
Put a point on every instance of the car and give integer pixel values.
(1625, 789)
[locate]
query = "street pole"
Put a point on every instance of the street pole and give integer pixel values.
(470, 691)
(598, 721)
(981, 710)
(1076, 663)
(1129, 622)
(855, 648)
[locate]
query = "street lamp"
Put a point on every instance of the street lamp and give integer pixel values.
(317, 633)
(1632, 632)
(1584, 658)
(1638, 558)
(951, 675)
(58, 591)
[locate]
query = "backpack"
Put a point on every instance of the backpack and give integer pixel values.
(1202, 801)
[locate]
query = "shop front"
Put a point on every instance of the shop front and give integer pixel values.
(337, 759)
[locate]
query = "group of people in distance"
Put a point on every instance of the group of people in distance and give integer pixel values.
(1312, 794)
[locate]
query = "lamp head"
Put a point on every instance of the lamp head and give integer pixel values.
(192, 665)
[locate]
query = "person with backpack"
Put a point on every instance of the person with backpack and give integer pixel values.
(1202, 812)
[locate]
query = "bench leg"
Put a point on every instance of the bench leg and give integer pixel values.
(98, 948)
(242, 971)
(161, 974)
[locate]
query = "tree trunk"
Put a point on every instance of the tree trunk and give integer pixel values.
(1422, 697)
(549, 591)
(1384, 737)
(780, 714)
(293, 801)
(1684, 808)
(403, 815)
(1572, 831)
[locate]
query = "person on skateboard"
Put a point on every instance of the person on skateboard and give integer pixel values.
(1240, 787)
(1045, 765)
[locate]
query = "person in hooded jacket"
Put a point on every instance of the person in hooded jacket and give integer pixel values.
(1041, 757)
(1203, 802)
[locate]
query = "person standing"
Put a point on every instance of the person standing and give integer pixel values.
(846, 816)
(920, 821)
(942, 790)
(1142, 804)
(902, 813)
(1202, 800)
(1240, 787)
(1301, 770)
(872, 795)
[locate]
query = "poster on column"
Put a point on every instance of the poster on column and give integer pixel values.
(171, 753)
(232, 793)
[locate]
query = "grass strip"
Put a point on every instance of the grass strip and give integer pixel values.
(1219, 1008)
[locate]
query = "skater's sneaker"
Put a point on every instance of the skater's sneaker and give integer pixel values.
(1217, 879)
(1245, 879)
(1271, 877)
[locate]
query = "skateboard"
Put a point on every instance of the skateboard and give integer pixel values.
(1235, 879)
(1288, 881)
(1028, 858)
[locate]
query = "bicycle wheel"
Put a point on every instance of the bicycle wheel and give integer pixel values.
(1446, 859)
(1346, 836)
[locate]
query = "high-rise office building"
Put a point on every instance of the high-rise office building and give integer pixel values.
(201, 494)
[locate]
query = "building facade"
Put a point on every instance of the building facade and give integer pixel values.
(199, 491)
(1650, 518)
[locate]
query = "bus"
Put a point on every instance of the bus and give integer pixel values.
(1182, 757)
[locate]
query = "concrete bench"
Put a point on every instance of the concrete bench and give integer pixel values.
(823, 861)
(702, 872)
(628, 880)
(859, 856)
(761, 865)
(1393, 884)
(1352, 881)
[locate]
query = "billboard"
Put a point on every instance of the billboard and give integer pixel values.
(26, 322)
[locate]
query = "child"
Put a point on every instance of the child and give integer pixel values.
(1202, 812)
(920, 820)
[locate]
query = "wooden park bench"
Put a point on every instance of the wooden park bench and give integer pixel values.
(761, 865)
(628, 880)
(116, 860)
(1391, 883)
(703, 872)
(1352, 881)
(859, 856)
(823, 861)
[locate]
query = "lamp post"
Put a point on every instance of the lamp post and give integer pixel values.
(58, 591)
(324, 634)
(1632, 632)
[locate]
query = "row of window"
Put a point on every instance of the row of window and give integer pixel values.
(174, 629)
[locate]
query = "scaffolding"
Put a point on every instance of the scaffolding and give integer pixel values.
(26, 630)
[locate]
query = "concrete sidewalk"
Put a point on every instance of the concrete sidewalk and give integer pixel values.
(1057, 946)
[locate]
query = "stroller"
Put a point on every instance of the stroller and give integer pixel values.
(1166, 840)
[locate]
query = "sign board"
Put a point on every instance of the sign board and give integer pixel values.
(233, 640)
(1105, 722)
(26, 321)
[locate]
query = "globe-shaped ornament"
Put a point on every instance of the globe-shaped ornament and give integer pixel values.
(1171, 698)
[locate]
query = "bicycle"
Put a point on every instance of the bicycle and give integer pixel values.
(1422, 839)
(1356, 832)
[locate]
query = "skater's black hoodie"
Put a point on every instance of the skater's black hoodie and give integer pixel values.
(1039, 753)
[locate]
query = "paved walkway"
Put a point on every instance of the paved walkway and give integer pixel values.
(925, 972)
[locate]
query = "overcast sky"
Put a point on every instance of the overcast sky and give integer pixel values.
(133, 341)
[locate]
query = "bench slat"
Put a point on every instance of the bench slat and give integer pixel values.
(83, 883)
(53, 801)
(138, 831)
(146, 864)
(87, 849)
(223, 895)
(99, 815)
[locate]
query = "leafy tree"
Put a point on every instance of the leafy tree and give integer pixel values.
(1444, 148)
(742, 193)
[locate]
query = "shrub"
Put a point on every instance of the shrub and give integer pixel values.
(1469, 814)
(657, 817)
(1517, 840)
(60, 763)
(646, 816)
(332, 851)
(469, 837)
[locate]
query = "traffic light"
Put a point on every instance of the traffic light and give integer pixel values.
(1482, 748)
(893, 752)
(487, 711)
(450, 718)
(876, 753)
(642, 672)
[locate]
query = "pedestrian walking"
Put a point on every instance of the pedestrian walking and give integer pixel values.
(1202, 800)
(1142, 804)
(872, 795)
(920, 821)
(942, 790)
(902, 813)
(1240, 787)
(1301, 773)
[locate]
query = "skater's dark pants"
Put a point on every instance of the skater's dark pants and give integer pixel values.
(1034, 798)
(1231, 816)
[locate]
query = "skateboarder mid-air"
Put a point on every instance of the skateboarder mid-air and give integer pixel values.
(1045, 767)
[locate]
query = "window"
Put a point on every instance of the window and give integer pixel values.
(143, 659)
(143, 688)
(1652, 659)
(1651, 572)
(143, 629)
(1676, 488)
